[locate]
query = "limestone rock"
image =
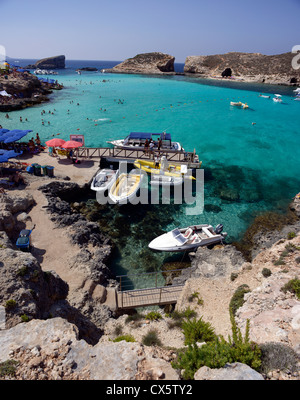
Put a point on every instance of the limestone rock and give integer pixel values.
(235, 371)
(26, 89)
(295, 205)
(10, 209)
(25, 289)
(55, 344)
(56, 62)
(219, 261)
(254, 67)
(147, 63)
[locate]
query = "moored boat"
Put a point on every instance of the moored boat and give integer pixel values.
(277, 98)
(164, 168)
(239, 104)
(163, 180)
(125, 187)
(104, 179)
(137, 141)
(188, 238)
(264, 96)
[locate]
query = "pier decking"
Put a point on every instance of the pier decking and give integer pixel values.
(117, 154)
(149, 297)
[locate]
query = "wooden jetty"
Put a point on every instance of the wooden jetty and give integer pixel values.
(117, 154)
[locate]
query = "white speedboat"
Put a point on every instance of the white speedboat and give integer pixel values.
(264, 96)
(104, 180)
(163, 180)
(137, 141)
(297, 90)
(188, 238)
(277, 98)
(125, 187)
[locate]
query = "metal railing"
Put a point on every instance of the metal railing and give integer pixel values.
(129, 281)
(171, 155)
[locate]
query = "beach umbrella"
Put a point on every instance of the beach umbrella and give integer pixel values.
(13, 136)
(71, 144)
(55, 142)
(16, 136)
(5, 155)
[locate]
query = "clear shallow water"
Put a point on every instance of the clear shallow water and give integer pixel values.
(250, 157)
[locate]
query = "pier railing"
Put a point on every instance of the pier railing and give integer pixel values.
(117, 153)
(138, 281)
(157, 294)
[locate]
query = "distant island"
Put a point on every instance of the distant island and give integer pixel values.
(245, 67)
(146, 63)
(57, 62)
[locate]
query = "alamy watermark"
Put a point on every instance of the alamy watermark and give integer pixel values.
(296, 59)
(190, 192)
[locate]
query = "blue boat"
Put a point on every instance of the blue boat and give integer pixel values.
(137, 140)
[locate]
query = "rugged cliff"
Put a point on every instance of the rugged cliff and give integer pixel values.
(25, 90)
(56, 62)
(254, 67)
(146, 63)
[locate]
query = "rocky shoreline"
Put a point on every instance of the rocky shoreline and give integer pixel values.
(24, 89)
(234, 66)
(56, 316)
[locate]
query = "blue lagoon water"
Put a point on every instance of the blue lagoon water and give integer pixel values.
(250, 157)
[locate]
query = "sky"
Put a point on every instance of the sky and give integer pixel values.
(119, 29)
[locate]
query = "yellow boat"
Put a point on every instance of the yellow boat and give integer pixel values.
(163, 169)
(125, 187)
(239, 104)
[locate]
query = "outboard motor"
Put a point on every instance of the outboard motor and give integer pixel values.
(219, 229)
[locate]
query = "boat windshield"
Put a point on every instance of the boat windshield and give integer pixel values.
(179, 236)
(176, 232)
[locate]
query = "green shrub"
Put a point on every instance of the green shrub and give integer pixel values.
(196, 295)
(237, 299)
(266, 272)
(134, 317)
(292, 286)
(197, 331)
(178, 317)
(217, 353)
(233, 276)
(8, 368)
(291, 235)
(118, 330)
(22, 271)
(153, 315)
(10, 304)
(151, 339)
(25, 318)
(289, 248)
(276, 356)
(188, 313)
(127, 338)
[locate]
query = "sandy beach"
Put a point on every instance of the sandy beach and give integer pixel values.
(52, 246)
(80, 173)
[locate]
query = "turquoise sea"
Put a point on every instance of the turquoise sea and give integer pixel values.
(250, 157)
